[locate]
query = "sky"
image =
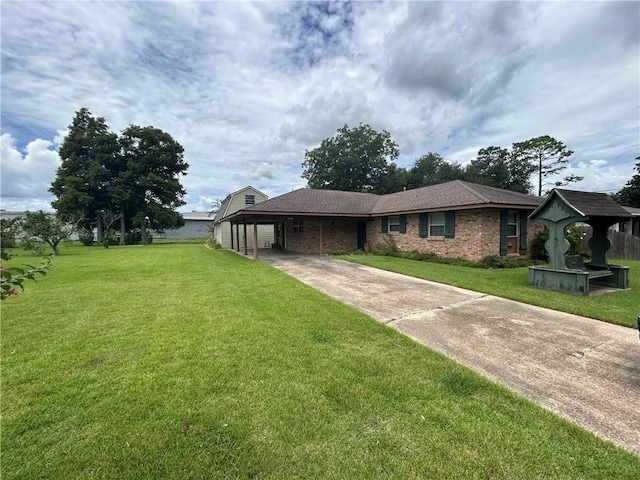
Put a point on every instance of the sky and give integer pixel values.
(248, 87)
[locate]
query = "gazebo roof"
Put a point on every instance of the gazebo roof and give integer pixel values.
(586, 205)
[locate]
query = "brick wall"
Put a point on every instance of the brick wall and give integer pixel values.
(477, 234)
(338, 234)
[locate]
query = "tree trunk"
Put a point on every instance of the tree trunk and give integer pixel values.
(143, 233)
(99, 228)
(54, 246)
(122, 229)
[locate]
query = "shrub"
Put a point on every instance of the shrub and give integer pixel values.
(573, 234)
(5, 254)
(213, 243)
(496, 261)
(86, 237)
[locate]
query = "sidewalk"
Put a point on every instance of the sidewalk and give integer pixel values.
(585, 370)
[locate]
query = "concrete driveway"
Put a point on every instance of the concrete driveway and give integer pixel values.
(582, 369)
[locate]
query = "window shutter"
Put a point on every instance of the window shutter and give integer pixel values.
(422, 225)
(403, 224)
(385, 224)
(449, 224)
(523, 232)
(504, 220)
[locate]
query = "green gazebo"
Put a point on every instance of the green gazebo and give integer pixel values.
(568, 273)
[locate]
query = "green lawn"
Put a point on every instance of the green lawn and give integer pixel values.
(621, 307)
(173, 361)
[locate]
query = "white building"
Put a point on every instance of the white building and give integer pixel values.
(245, 197)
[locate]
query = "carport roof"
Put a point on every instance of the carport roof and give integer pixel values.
(453, 195)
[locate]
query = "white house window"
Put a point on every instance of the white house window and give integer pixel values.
(394, 223)
(297, 226)
(249, 199)
(436, 224)
(512, 224)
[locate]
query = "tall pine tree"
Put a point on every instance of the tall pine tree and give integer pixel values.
(89, 153)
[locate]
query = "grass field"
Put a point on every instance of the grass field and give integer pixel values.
(621, 307)
(177, 362)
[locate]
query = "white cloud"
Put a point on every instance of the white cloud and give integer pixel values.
(246, 87)
(26, 175)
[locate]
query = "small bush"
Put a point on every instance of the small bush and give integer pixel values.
(5, 254)
(573, 234)
(496, 261)
(86, 237)
(213, 243)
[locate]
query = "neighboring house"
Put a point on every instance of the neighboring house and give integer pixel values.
(631, 226)
(454, 219)
(196, 225)
(223, 230)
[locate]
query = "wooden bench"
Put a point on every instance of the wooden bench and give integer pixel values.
(575, 262)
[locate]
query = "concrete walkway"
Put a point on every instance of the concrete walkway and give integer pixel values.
(582, 369)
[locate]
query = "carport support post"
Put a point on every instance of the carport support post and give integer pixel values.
(320, 237)
(255, 240)
(231, 226)
(237, 237)
(244, 227)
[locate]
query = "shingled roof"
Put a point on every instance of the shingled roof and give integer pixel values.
(452, 195)
(318, 202)
(587, 204)
(455, 195)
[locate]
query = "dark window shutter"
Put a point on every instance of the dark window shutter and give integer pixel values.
(504, 220)
(385, 224)
(422, 225)
(523, 232)
(449, 224)
(403, 224)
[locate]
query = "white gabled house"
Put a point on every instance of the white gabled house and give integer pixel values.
(243, 198)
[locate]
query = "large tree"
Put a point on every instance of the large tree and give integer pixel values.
(431, 169)
(629, 195)
(88, 153)
(550, 157)
(497, 167)
(148, 188)
(356, 159)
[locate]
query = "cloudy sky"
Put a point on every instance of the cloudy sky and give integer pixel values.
(247, 87)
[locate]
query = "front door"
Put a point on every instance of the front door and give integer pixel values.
(362, 234)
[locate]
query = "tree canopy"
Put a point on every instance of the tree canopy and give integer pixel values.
(45, 227)
(550, 156)
(362, 160)
(134, 178)
(629, 195)
(356, 159)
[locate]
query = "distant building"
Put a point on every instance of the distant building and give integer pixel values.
(196, 225)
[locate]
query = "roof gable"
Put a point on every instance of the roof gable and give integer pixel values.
(225, 206)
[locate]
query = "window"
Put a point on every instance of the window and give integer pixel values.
(512, 223)
(436, 224)
(249, 199)
(297, 226)
(394, 223)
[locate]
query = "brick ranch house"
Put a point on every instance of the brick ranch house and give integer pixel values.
(453, 219)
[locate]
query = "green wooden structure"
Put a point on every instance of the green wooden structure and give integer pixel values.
(569, 274)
